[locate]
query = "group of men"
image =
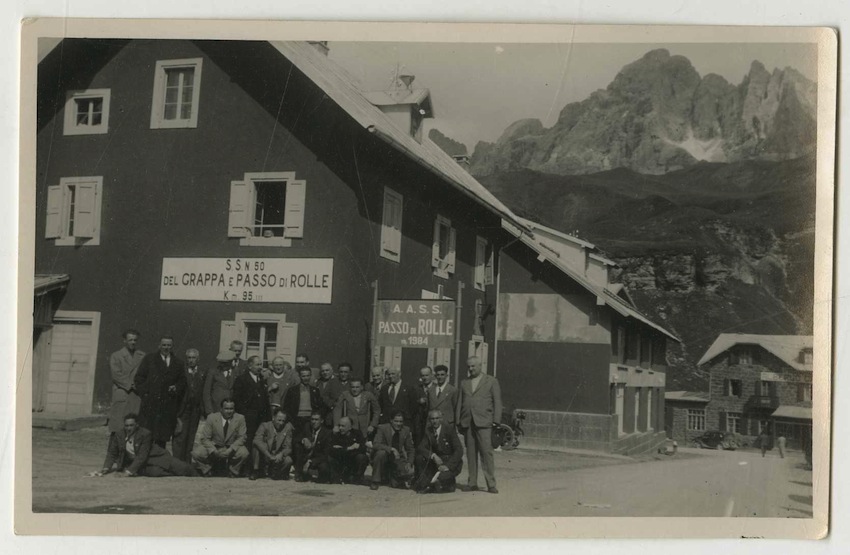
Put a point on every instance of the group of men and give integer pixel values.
(327, 425)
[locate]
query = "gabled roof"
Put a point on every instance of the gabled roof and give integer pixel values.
(415, 96)
(603, 295)
(785, 347)
(689, 396)
(336, 83)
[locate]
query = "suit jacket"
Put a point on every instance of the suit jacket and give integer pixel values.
(216, 389)
(405, 401)
(292, 401)
(158, 410)
(271, 442)
(123, 366)
(384, 441)
(211, 433)
(145, 449)
(445, 403)
(376, 391)
(252, 399)
(361, 418)
(193, 399)
(482, 408)
(288, 379)
(340, 443)
(320, 450)
(447, 446)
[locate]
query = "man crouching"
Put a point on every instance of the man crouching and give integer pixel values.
(273, 447)
(439, 457)
(221, 442)
(132, 452)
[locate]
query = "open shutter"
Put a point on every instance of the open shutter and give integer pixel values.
(489, 263)
(84, 210)
(391, 225)
(435, 247)
(485, 357)
(443, 356)
(229, 333)
(53, 225)
(241, 203)
(287, 341)
(480, 261)
(450, 258)
(396, 358)
(293, 220)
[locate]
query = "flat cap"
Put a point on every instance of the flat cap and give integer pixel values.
(225, 356)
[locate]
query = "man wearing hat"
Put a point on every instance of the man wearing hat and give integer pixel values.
(219, 382)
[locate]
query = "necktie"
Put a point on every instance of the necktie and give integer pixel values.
(396, 441)
(439, 391)
(392, 393)
(226, 426)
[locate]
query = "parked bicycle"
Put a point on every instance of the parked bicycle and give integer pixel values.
(507, 437)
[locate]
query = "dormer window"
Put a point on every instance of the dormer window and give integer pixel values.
(405, 106)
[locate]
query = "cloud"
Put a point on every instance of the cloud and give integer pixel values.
(499, 50)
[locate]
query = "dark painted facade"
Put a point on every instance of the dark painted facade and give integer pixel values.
(166, 193)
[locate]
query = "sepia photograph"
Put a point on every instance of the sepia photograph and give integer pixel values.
(513, 275)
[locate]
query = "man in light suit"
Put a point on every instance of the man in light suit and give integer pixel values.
(360, 406)
(443, 396)
(221, 440)
(219, 382)
(439, 457)
(273, 447)
(479, 407)
(123, 365)
(392, 454)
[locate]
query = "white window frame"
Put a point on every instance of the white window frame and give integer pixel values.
(59, 208)
(388, 357)
(649, 395)
(444, 266)
(243, 195)
(158, 120)
(71, 126)
(696, 420)
(236, 329)
(483, 273)
(733, 422)
(804, 392)
(391, 223)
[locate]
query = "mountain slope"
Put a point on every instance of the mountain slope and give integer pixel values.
(659, 115)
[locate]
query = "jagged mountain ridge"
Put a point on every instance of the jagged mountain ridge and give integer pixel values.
(709, 249)
(660, 115)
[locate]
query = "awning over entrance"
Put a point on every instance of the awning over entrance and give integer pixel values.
(797, 413)
(45, 283)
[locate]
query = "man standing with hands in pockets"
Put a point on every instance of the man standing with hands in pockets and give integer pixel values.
(479, 407)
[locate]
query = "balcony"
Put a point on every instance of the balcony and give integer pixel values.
(768, 402)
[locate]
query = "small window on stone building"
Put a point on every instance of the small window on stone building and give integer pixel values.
(804, 392)
(732, 388)
(696, 420)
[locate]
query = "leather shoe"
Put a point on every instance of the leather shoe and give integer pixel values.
(374, 486)
(252, 476)
(492, 490)
(471, 488)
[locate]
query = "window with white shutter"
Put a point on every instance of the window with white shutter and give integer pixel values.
(391, 225)
(267, 209)
(483, 274)
(267, 335)
(443, 249)
(73, 212)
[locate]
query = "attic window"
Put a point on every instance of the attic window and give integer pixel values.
(87, 112)
(176, 92)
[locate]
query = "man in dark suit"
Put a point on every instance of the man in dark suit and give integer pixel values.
(312, 451)
(443, 396)
(423, 395)
(439, 458)
(348, 454)
(238, 365)
(221, 442)
(396, 396)
(132, 452)
(160, 382)
(273, 447)
(479, 407)
(219, 382)
(376, 379)
(361, 407)
(330, 388)
(301, 401)
(251, 395)
(191, 409)
(392, 454)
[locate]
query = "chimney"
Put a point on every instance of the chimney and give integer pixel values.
(320, 45)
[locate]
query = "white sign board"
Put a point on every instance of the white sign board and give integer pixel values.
(251, 280)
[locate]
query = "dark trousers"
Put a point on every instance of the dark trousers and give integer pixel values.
(348, 467)
(167, 465)
(385, 467)
(182, 443)
(321, 465)
(425, 471)
(274, 470)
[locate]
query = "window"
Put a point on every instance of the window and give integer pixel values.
(806, 356)
(264, 335)
(87, 112)
(176, 90)
(441, 355)
(391, 225)
(621, 344)
(745, 356)
(804, 392)
(73, 211)
(733, 422)
(766, 389)
(478, 348)
(443, 249)
(732, 388)
(389, 357)
(483, 263)
(696, 420)
(267, 209)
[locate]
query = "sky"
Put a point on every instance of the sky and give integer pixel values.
(479, 89)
